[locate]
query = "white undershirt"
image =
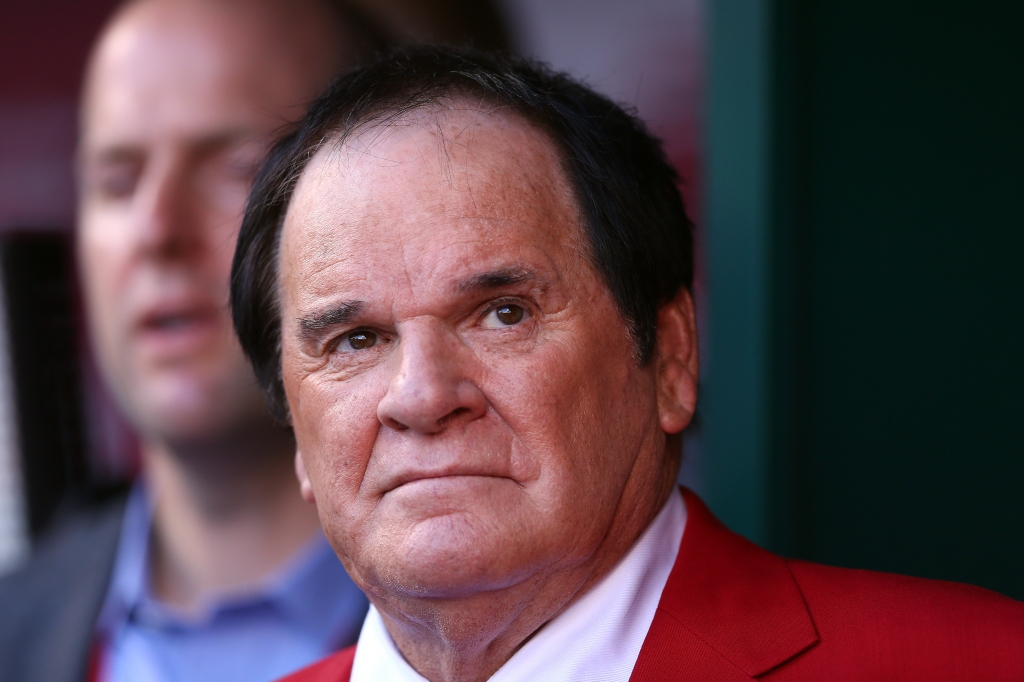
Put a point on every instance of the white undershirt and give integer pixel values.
(597, 639)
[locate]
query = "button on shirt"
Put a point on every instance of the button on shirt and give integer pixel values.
(597, 639)
(307, 611)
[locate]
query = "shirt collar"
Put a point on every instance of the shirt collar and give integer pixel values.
(128, 579)
(297, 591)
(599, 637)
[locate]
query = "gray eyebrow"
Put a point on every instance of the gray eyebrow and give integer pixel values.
(312, 324)
(495, 280)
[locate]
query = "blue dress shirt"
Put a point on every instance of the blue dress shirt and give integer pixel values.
(305, 612)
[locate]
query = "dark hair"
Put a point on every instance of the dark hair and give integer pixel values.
(638, 231)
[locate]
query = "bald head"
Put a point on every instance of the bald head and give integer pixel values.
(181, 98)
(273, 54)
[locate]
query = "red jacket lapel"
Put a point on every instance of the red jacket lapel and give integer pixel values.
(730, 610)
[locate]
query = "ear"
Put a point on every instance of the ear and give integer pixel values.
(678, 362)
(305, 487)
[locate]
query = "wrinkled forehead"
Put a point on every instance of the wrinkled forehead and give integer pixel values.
(445, 191)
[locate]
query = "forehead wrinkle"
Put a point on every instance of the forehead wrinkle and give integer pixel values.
(513, 186)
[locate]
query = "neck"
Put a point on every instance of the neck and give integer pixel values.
(468, 639)
(228, 514)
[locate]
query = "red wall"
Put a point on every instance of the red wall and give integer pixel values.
(43, 47)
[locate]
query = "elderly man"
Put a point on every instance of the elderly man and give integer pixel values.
(465, 282)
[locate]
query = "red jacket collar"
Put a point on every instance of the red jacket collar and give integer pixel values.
(729, 595)
(730, 611)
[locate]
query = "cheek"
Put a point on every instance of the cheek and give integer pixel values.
(336, 427)
(100, 253)
(104, 258)
(583, 406)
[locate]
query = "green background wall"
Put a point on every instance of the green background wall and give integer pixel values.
(865, 225)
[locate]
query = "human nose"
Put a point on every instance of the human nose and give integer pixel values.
(167, 220)
(430, 390)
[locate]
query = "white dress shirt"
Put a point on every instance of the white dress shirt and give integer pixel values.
(597, 639)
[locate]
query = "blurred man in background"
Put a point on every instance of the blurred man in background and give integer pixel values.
(213, 568)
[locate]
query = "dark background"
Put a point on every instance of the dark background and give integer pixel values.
(872, 284)
(60, 440)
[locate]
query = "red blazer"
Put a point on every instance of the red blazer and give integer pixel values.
(732, 611)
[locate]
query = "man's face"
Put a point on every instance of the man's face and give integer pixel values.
(462, 386)
(180, 99)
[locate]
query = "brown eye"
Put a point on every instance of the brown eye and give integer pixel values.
(361, 340)
(509, 314)
(504, 315)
